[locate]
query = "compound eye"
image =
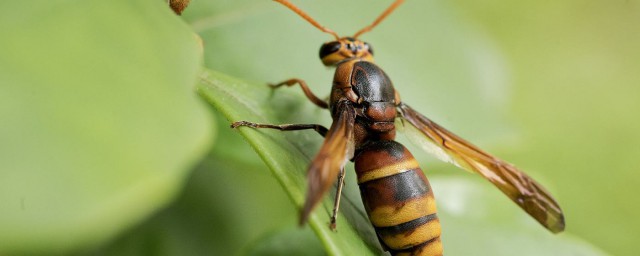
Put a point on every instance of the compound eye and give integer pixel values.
(369, 48)
(329, 48)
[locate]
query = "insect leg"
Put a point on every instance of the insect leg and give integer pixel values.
(313, 98)
(283, 127)
(336, 203)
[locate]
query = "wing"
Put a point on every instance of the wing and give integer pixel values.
(522, 189)
(336, 150)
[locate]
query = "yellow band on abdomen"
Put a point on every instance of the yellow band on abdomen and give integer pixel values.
(413, 237)
(388, 170)
(385, 216)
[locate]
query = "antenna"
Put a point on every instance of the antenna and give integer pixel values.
(386, 12)
(307, 17)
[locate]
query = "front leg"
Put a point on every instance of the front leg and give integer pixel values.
(312, 97)
(283, 127)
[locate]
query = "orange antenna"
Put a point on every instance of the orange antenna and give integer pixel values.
(307, 17)
(386, 13)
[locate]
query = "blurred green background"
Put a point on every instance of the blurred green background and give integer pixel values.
(552, 87)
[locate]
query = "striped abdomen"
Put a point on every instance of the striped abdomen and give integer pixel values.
(398, 199)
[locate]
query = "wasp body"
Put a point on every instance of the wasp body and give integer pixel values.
(394, 190)
(364, 106)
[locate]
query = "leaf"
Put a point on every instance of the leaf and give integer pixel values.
(100, 123)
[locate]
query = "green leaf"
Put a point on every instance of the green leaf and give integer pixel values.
(100, 122)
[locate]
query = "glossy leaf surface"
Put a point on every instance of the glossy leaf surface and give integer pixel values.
(99, 121)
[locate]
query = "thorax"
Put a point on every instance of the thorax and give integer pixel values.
(370, 90)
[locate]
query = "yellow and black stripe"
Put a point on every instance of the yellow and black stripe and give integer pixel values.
(398, 199)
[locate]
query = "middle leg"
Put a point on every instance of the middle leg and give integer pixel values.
(336, 202)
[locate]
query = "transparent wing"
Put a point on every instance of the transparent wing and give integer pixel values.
(336, 150)
(518, 186)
